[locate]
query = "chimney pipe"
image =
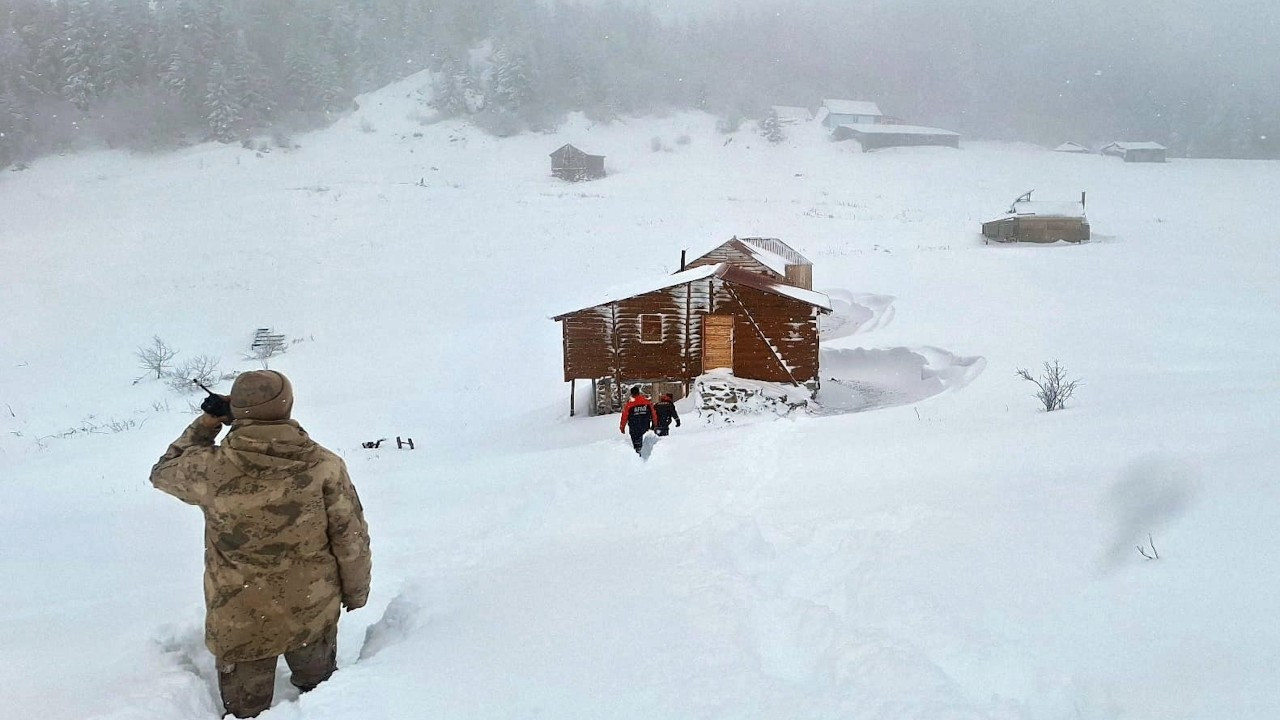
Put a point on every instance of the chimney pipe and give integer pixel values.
(682, 260)
(1081, 198)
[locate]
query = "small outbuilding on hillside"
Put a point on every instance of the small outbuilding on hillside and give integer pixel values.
(1072, 147)
(874, 137)
(1137, 151)
(835, 113)
(789, 115)
(1038, 221)
(570, 163)
(664, 333)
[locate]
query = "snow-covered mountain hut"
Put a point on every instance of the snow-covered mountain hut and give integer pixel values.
(874, 137)
(570, 163)
(1039, 221)
(835, 113)
(768, 257)
(1137, 151)
(664, 333)
(1072, 147)
(790, 115)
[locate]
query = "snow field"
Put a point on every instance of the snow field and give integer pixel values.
(966, 556)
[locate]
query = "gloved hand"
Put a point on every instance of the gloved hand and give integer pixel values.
(218, 406)
(677, 423)
(622, 430)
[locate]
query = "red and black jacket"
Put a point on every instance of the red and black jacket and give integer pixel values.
(639, 414)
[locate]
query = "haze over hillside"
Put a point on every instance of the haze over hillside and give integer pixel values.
(1197, 77)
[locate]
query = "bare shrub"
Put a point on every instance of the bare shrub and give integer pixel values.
(156, 357)
(1055, 388)
(366, 126)
(202, 369)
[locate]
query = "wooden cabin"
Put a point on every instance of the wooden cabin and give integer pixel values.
(768, 257)
(1038, 221)
(664, 333)
(570, 163)
(874, 137)
(1137, 151)
(835, 113)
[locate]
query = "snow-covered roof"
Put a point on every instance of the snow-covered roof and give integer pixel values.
(777, 248)
(788, 112)
(897, 130)
(724, 271)
(1024, 206)
(1137, 146)
(769, 252)
(852, 107)
(1048, 208)
(750, 279)
(1071, 147)
(628, 290)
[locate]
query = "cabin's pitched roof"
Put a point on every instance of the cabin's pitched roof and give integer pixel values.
(878, 129)
(852, 107)
(724, 271)
(1071, 147)
(569, 149)
(1136, 146)
(769, 252)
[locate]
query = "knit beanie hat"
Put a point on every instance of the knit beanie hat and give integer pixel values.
(261, 395)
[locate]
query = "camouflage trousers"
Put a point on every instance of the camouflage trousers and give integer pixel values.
(247, 687)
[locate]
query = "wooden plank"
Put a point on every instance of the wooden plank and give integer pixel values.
(717, 342)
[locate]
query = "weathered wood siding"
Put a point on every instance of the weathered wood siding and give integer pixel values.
(775, 338)
(1037, 229)
(736, 257)
(800, 276)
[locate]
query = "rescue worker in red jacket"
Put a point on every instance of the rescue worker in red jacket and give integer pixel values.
(639, 416)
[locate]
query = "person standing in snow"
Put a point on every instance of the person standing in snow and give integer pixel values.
(638, 416)
(286, 544)
(666, 412)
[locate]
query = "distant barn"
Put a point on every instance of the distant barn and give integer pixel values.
(1072, 147)
(768, 257)
(874, 137)
(1136, 151)
(1038, 221)
(570, 163)
(664, 333)
(789, 115)
(835, 113)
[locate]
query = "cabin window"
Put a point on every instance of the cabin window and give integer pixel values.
(650, 328)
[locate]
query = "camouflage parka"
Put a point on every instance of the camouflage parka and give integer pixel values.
(285, 538)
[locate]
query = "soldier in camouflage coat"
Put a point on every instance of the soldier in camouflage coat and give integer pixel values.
(285, 540)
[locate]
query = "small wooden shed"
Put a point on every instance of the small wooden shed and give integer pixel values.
(664, 333)
(1137, 151)
(1038, 221)
(874, 137)
(570, 163)
(791, 115)
(768, 257)
(835, 113)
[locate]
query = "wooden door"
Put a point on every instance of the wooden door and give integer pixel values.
(717, 342)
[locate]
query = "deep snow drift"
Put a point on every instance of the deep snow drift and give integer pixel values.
(956, 554)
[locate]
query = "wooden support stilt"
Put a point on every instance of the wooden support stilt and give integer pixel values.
(573, 385)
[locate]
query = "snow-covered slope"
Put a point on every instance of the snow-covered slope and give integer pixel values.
(963, 556)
